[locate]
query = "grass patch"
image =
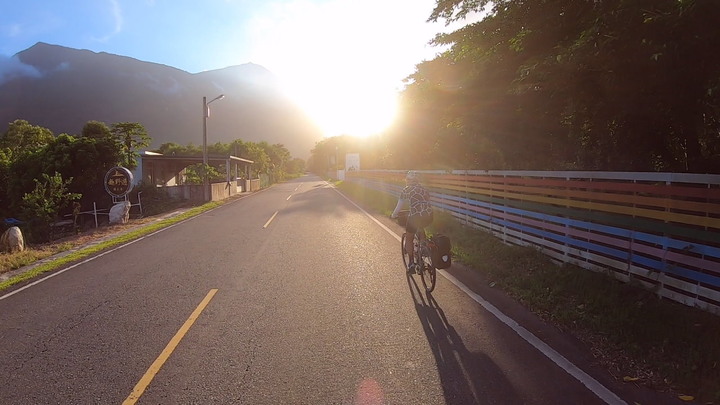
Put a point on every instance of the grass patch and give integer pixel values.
(29, 256)
(20, 259)
(634, 333)
(370, 199)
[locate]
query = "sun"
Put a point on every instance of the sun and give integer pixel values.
(344, 76)
(360, 110)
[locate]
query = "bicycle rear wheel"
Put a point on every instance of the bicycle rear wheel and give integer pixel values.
(405, 255)
(427, 270)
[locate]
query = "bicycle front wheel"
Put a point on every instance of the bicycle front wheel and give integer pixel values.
(405, 255)
(427, 271)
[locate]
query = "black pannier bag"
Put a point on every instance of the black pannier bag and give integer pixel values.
(440, 255)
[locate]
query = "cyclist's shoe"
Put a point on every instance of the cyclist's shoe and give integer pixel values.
(411, 268)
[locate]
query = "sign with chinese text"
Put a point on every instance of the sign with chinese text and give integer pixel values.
(118, 181)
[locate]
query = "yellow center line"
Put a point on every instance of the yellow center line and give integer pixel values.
(142, 385)
(270, 220)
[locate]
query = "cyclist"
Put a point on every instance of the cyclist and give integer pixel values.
(420, 215)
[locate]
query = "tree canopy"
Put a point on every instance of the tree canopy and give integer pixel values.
(96, 129)
(273, 160)
(622, 85)
(131, 138)
(22, 137)
(29, 152)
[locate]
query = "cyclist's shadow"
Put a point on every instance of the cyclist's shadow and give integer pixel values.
(467, 377)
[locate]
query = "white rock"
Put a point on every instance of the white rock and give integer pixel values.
(12, 240)
(120, 213)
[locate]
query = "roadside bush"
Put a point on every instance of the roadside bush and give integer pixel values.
(41, 207)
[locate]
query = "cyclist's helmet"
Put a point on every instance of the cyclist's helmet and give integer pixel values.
(411, 176)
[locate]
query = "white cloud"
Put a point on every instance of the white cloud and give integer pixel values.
(12, 67)
(118, 21)
(117, 15)
(63, 66)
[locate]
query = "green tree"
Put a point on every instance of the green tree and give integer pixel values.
(295, 166)
(194, 174)
(84, 159)
(322, 156)
(131, 136)
(20, 142)
(96, 130)
(173, 149)
(22, 137)
(252, 151)
(5, 163)
(564, 84)
(277, 156)
(375, 153)
(42, 205)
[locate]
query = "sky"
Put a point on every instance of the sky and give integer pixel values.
(343, 61)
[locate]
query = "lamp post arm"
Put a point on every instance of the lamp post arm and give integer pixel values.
(216, 98)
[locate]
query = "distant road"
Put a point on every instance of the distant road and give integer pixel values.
(292, 295)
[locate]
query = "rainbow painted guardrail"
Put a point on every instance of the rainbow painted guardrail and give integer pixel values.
(661, 230)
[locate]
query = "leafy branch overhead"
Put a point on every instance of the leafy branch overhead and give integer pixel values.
(566, 84)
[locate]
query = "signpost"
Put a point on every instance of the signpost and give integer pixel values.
(352, 161)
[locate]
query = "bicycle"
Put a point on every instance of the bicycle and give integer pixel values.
(423, 264)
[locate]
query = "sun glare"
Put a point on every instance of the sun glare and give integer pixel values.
(343, 75)
(347, 110)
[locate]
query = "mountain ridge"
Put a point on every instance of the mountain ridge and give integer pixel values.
(62, 88)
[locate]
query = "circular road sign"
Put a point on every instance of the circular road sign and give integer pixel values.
(118, 181)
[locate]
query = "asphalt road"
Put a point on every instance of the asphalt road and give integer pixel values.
(292, 295)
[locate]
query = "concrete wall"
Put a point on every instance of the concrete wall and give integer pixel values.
(185, 192)
(252, 185)
(218, 191)
(221, 191)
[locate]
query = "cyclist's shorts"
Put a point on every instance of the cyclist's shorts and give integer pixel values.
(416, 222)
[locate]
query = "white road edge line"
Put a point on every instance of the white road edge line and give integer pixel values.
(592, 384)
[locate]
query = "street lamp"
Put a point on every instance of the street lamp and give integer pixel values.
(206, 114)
